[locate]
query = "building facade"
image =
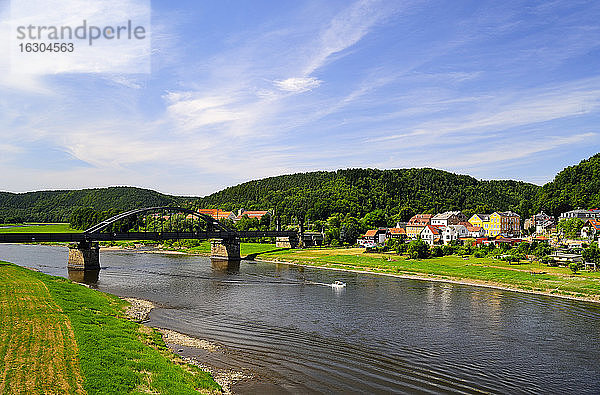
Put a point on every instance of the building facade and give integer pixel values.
(417, 223)
(581, 214)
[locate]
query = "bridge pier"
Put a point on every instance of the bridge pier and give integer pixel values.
(225, 254)
(286, 242)
(84, 255)
(225, 249)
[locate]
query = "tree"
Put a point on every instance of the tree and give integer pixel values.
(350, 230)
(405, 214)
(374, 219)
(571, 227)
(418, 249)
(592, 254)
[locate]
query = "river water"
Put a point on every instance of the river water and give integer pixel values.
(380, 334)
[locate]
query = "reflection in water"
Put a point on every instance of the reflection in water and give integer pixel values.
(89, 277)
(286, 325)
(223, 265)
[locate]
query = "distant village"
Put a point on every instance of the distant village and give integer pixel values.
(500, 227)
(453, 227)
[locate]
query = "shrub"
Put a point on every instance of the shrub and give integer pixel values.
(437, 251)
(574, 267)
(418, 249)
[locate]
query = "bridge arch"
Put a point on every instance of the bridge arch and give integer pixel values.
(169, 209)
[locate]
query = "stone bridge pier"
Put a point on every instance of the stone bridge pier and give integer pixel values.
(225, 253)
(84, 255)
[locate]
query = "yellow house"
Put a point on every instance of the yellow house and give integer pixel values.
(505, 223)
(481, 220)
(416, 224)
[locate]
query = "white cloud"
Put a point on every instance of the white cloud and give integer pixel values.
(297, 85)
(345, 30)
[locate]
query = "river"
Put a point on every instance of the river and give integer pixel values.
(380, 334)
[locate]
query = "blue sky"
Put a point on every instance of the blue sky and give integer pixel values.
(244, 90)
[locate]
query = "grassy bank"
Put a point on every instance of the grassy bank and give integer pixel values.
(39, 228)
(60, 337)
(530, 276)
(247, 250)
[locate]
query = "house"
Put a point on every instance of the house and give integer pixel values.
(591, 228)
(251, 214)
(452, 233)
(431, 235)
(416, 224)
(481, 220)
(217, 213)
(505, 223)
(475, 231)
(376, 236)
(581, 214)
(396, 233)
(448, 218)
(542, 222)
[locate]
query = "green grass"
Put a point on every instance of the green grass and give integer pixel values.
(115, 355)
(247, 250)
(525, 276)
(40, 228)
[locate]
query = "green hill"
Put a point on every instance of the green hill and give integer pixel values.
(393, 194)
(57, 206)
(399, 193)
(575, 187)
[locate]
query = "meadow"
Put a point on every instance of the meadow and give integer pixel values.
(61, 337)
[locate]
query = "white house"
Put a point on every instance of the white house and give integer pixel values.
(591, 228)
(431, 234)
(475, 231)
(454, 233)
(448, 218)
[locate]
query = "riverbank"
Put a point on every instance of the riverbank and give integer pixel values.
(530, 277)
(59, 336)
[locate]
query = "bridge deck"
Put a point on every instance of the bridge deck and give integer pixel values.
(78, 237)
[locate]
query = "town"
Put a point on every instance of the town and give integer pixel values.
(574, 231)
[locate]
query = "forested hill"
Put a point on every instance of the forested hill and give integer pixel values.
(57, 206)
(395, 194)
(399, 193)
(575, 187)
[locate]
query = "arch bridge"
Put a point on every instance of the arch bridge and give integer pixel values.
(151, 223)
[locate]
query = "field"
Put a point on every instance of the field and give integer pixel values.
(60, 337)
(527, 276)
(38, 228)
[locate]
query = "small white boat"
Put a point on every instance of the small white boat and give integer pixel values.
(338, 284)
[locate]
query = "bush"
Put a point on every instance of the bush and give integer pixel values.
(437, 251)
(574, 267)
(418, 249)
(448, 249)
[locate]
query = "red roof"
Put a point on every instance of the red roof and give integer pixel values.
(371, 233)
(397, 231)
(594, 223)
(420, 219)
(434, 229)
(253, 214)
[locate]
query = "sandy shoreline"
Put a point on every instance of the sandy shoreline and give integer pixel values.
(138, 311)
(436, 278)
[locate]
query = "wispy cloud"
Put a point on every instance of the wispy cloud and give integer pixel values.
(367, 83)
(298, 85)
